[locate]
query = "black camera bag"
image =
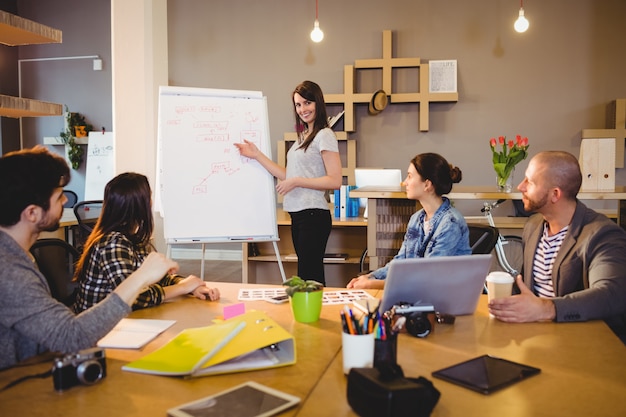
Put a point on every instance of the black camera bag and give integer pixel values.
(385, 392)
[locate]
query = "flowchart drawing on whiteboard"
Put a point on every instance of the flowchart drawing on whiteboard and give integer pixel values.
(206, 191)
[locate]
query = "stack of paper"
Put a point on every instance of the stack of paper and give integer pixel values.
(134, 333)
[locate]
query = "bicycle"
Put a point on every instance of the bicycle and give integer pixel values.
(509, 249)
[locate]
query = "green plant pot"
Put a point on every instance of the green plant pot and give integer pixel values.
(306, 306)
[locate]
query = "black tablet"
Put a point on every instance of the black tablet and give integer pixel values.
(486, 374)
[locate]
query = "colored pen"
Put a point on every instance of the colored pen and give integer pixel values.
(344, 323)
(349, 321)
(355, 324)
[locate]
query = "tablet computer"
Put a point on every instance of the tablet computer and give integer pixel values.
(246, 400)
(486, 374)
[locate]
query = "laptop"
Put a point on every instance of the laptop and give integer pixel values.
(452, 284)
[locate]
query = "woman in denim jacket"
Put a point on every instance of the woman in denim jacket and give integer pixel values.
(438, 229)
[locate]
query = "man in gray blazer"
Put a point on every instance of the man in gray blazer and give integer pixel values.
(574, 258)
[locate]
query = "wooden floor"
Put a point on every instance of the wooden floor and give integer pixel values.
(230, 271)
(220, 271)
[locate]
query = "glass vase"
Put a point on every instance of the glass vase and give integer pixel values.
(505, 183)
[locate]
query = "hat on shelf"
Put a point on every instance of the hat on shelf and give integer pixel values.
(378, 102)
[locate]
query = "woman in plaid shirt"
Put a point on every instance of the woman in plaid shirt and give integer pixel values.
(119, 244)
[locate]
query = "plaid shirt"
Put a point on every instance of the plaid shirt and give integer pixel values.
(111, 260)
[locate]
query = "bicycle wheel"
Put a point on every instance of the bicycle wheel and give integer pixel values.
(513, 252)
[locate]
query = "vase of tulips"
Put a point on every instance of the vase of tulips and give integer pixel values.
(505, 155)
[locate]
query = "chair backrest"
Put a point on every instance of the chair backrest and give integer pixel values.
(87, 213)
(56, 260)
(72, 198)
(483, 238)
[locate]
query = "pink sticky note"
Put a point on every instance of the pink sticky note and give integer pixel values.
(234, 310)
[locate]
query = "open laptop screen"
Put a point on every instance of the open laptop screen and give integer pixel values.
(452, 284)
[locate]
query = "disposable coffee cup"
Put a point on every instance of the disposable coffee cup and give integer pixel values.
(499, 285)
(357, 351)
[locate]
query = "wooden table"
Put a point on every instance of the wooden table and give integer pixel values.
(583, 367)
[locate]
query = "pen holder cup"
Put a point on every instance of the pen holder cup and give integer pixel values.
(357, 351)
(386, 351)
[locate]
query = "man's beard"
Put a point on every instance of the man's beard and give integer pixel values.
(535, 205)
(49, 225)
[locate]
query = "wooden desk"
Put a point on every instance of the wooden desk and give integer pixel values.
(124, 393)
(583, 369)
(389, 212)
(582, 364)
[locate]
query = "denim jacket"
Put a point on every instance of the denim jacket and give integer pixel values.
(448, 236)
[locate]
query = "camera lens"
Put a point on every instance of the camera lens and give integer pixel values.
(89, 372)
(418, 325)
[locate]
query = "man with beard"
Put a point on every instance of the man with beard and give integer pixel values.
(574, 258)
(31, 320)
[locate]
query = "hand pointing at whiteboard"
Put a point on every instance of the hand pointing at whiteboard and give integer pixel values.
(250, 150)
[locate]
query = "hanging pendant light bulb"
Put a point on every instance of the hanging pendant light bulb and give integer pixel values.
(316, 34)
(521, 24)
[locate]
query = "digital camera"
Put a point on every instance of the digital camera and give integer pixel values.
(419, 318)
(85, 367)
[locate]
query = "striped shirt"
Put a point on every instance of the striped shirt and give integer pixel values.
(546, 252)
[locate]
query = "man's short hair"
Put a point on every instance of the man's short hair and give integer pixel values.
(29, 177)
(563, 171)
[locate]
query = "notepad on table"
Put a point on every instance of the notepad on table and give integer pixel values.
(134, 333)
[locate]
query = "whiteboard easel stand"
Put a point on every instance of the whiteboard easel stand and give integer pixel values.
(276, 251)
(280, 261)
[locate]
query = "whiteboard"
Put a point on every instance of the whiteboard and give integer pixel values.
(100, 167)
(206, 191)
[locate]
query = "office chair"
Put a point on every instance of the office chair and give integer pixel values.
(56, 259)
(72, 198)
(482, 238)
(87, 213)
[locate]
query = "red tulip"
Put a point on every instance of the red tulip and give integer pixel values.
(501, 140)
(492, 142)
(511, 144)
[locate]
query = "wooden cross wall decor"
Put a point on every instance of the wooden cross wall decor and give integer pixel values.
(350, 98)
(388, 63)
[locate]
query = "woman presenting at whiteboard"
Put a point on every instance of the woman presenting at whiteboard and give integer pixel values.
(313, 166)
(119, 244)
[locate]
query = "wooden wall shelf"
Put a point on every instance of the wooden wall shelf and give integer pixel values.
(24, 107)
(16, 31)
(57, 140)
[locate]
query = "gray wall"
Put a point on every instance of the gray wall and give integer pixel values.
(86, 28)
(547, 84)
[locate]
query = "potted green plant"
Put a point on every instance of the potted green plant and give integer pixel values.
(75, 127)
(305, 297)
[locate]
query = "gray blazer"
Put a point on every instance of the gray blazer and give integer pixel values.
(589, 272)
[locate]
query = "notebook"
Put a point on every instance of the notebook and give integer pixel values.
(452, 284)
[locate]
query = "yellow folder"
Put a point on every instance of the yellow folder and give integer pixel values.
(247, 342)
